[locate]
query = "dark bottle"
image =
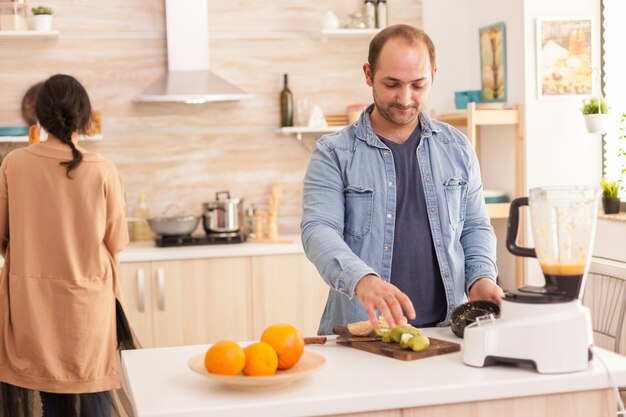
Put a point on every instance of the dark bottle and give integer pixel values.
(286, 105)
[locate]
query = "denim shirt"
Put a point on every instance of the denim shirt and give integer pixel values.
(349, 204)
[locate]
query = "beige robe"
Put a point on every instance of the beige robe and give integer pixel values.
(60, 280)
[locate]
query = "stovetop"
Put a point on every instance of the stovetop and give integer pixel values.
(213, 239)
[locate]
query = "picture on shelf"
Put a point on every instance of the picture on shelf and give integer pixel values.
(564, 58)
(492, 40)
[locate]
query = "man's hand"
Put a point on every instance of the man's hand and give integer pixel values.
(376, 294)
(486, 289)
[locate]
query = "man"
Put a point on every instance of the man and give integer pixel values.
(394, 216)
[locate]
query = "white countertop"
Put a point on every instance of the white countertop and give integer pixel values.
(162, 385)
(145, 252)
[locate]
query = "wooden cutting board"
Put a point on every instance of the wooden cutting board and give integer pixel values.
(394, 350)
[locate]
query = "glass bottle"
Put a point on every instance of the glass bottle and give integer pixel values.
(286, 104)
(141, 229)
(370, 13)
(381, 14)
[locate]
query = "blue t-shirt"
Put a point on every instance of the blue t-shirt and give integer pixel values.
(414, 267)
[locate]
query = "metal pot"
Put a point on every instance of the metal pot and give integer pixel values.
(178, 225)
(173, 226)
(222, 215)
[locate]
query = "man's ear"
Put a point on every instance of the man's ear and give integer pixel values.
(434, 72)
(367, 70)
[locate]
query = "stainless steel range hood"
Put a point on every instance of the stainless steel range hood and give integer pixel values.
(189, 79)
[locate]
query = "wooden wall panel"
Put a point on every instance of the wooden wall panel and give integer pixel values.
(185, 153)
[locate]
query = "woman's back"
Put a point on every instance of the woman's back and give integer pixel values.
(62, 222)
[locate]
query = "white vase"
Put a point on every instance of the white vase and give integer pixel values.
(597, 123)
(43, 22)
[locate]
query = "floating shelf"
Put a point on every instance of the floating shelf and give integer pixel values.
(349, 33)
(28, 34)
(498, 210)
(300, 130)
(24, 139)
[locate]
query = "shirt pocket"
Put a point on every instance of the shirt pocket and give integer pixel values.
(456, 199)
(359, 207)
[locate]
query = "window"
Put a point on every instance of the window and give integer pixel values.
(614, 86)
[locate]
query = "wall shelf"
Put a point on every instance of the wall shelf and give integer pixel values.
(349, 33)
(24, 139)
(473, 119)
(29, 34)
(300, 130)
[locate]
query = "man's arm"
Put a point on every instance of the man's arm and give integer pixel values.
(479, 241)
(323, 204)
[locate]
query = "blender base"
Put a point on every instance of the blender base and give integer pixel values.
(554, 338)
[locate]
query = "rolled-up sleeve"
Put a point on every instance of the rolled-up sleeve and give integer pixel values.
(478, 238)
(323, 224)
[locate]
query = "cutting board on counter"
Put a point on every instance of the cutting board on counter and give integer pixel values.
(394, 350)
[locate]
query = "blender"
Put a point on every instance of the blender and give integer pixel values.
(546, 326)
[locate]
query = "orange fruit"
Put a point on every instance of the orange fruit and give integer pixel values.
(261, 360)
(225, 358)
(286, 341)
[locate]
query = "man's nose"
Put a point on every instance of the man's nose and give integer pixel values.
(405, 96)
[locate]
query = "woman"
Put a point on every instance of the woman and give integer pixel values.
(62, 222)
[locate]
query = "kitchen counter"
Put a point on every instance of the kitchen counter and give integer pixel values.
(146, 252)
(353, 381)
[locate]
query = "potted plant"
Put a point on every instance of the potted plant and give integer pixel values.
(43, 18)
(610, 199)
(595, 111)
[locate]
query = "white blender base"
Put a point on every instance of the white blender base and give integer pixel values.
(555, 337)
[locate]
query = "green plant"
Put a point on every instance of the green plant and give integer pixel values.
(610, 188)
(621, 151)
(42, 10)
(590, 106)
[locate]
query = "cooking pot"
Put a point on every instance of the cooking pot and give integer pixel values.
(224, 215)
(173, 226)
(179, 225)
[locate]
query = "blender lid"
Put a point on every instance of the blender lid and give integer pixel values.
(536, 295)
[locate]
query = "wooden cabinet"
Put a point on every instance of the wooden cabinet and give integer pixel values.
(286, 289)
(137, 291)
(474, 119)
(186, 302)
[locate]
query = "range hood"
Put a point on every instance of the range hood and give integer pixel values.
(189, 79)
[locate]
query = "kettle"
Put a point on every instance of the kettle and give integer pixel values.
(224, 215)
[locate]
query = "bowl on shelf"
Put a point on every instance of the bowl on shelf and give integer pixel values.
(13, 130)
(495, 196)
(461, 98)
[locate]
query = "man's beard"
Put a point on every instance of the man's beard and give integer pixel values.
(389, 112)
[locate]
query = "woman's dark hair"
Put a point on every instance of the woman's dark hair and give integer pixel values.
(62, 108)
(411, 35)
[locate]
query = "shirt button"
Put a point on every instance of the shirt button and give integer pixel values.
(389, 215)
(385, 153)
(390, 184)
(386, 248)
(445, 274)
(427, 179)
(432, 210)
(438, 243)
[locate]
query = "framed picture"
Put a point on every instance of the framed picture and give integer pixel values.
(564, 58)
(493, 62)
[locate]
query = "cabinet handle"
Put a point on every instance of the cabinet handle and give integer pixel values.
(141, 296)
(161, 285)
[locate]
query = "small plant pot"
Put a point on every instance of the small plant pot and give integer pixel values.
(597, 123)
(43, 22)
(610, 205)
